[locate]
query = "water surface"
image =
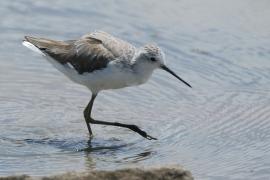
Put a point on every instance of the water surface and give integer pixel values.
(220, 129)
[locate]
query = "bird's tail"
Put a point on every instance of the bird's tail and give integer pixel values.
(35, 44)
(53, 48)
(42, 43)
(54, 52)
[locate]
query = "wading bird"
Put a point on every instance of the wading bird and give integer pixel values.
(101, 61)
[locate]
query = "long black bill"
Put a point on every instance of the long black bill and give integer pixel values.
(172, 73)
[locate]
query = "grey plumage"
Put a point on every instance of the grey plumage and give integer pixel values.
(91, 52)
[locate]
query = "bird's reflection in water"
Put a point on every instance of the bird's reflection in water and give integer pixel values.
(97, 153)
(100, 145)
(114, 151)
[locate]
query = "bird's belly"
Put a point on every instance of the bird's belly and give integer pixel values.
(109, 78)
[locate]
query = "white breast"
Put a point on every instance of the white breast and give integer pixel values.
(111, 77)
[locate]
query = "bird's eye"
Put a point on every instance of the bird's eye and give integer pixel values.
(153, 59)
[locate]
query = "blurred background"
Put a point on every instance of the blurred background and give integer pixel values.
(220, 129)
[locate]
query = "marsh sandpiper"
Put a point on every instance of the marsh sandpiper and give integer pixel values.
(101, 61)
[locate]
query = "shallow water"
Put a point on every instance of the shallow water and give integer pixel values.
(220, 129)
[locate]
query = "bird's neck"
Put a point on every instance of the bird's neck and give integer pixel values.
(142, 71)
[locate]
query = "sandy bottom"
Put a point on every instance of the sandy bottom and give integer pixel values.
(124, 174)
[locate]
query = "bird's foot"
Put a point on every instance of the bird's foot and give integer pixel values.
(150, 137)
(141, 132)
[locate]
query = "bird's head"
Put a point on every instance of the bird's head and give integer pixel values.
(151, 57)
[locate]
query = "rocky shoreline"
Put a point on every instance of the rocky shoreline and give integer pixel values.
(176, 173)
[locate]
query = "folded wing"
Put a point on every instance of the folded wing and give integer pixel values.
(89, 53)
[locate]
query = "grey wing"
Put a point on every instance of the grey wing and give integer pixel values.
(87, 54)
(116, 46)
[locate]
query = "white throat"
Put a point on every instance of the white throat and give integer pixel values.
(143, 70)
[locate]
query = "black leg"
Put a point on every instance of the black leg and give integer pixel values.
(129, 126)
(87, 113)
(89, 119)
